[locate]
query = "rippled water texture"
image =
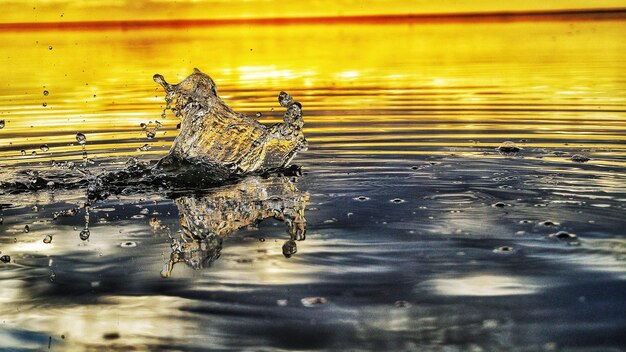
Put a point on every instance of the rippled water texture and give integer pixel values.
(412, 226)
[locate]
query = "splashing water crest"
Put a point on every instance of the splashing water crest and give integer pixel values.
(212, 133)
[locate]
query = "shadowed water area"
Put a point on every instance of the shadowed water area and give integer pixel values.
(463, 187)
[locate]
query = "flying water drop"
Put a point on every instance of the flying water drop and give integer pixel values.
(84, 234)
(80, 138)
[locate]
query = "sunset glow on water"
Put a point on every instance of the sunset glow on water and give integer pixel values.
(411, 227)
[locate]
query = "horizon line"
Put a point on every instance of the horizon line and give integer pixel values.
(500, 16)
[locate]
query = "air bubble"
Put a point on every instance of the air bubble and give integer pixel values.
(47, 239)
(44, 148)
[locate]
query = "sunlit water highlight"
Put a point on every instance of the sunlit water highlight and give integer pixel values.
(423, 231)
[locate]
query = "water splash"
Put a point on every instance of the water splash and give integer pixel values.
(212, 133)
(215, 146)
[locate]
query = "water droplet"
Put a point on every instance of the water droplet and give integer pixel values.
(128, 244)
(579, 158)
(44, 104)
(111, 336)
(23, 152)
(361, 198)
(503, 249)
(549, 223)
(26, 228)
(44, 148)
(262, 239)
(80, 138)
(144, 148)
(397, 200)
(50, 47)
(313, 301)
(564, 236)
(53, 276)
(289, 248)
(5, 258)
(143, 126)
(500, 205)
(508, 147)
(45, 92)
(490, 324)
(154, 223)
(150, 134)
(1, 124)
(258, 114)
(284, 99)
(47, 239)
(84, 234)
(402, 304)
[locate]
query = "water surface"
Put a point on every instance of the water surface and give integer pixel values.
(420, 234)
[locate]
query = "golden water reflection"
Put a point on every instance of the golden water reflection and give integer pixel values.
(557, 80)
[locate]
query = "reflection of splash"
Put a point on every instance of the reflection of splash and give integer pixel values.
(212, 133)
(207, 219)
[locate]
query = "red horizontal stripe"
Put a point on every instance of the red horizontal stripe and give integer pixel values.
(584, 14)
